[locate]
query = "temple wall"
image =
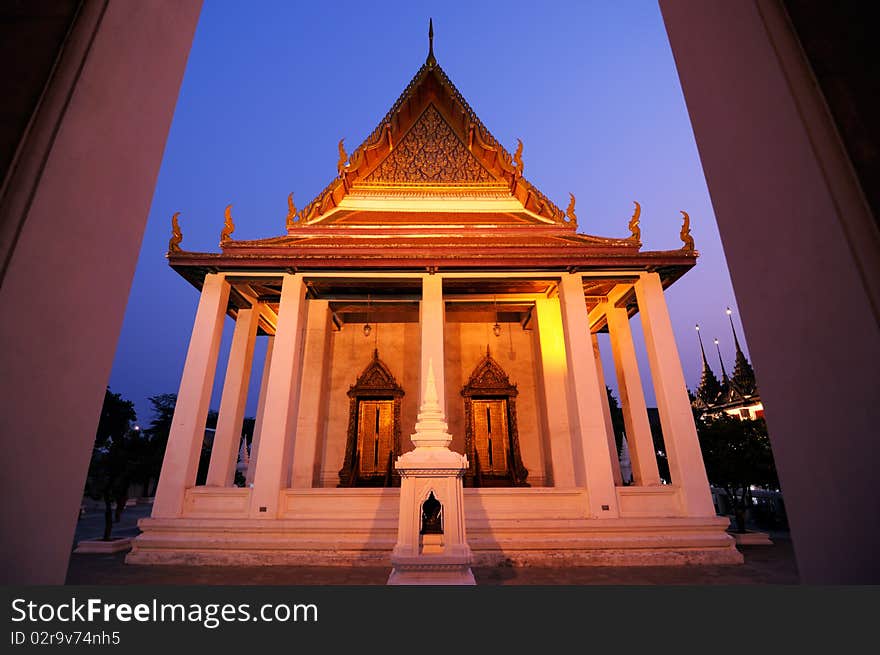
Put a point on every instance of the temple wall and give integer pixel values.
(514, 351)
(399, 348)
(350, 353)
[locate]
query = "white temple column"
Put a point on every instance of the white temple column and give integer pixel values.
(679, 433)
(227, 437)
(586, 400)
(261, 406)
(315, 369)
(187, 433)
(606, 413)
(632, 399)
(554, 372)
(282, 398)
(432, 316)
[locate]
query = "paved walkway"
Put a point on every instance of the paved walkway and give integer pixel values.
(763, 565)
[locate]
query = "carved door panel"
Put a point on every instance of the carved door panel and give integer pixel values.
(490, 435)
(375, 436)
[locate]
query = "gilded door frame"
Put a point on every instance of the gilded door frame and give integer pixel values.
(489, 381)
(374, 383)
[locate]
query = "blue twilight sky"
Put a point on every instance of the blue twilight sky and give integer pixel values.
(271, 87)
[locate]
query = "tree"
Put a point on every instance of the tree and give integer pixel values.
(111, 467)
(616, 419)
(207, 445)
(619, 427)
(737, 456)
(160, 428)
(152, 448)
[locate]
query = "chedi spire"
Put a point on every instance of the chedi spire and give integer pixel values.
(709, 388)
(743, 373)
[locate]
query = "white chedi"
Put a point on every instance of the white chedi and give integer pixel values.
(626, 471)
(244, 456)
(431, 427)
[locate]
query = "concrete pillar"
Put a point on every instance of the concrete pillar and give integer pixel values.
(676, 418)
(432, 316)
(606, 413)
(227, 437)
(632, 399)
(181, 459)
(312, 409)
(554, 372)
(586, 400)
(272, 471)
(778, 173)
(67, 258)
(261, 406)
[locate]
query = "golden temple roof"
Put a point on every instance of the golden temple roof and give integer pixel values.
(431, 188)
(431, 141)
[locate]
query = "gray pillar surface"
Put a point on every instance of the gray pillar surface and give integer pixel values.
(804, 257)
(79, 201)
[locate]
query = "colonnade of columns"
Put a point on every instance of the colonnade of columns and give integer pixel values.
(290, 414)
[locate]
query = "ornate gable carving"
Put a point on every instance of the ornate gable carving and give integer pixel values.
(430, 153)
(489, 378)
(375, 379)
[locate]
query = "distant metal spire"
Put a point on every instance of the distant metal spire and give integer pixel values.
(431, 60)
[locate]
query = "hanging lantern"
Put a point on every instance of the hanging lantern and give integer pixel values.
(367, 327)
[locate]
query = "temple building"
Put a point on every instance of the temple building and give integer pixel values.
(429, 248)
(735, 396)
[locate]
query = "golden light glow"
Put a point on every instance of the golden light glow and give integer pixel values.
(551, 335)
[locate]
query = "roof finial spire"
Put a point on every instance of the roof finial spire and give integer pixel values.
(430, 60)
(724, 378)
(709, 387)
(732, 329)
(705, 363)
(743, 374)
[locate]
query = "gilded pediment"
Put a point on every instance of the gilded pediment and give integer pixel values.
(488, 377)
(431, 138)
(375, 378)
(430, 153)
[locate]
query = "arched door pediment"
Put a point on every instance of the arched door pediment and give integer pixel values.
(490, 427)
(373, 437)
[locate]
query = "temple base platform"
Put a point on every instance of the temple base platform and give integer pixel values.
(513, 526)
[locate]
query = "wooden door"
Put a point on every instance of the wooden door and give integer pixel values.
(375, 438)
(490, 435)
